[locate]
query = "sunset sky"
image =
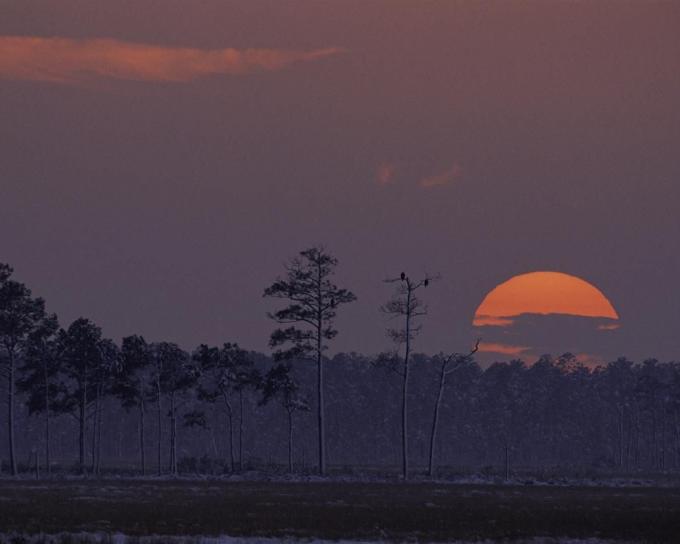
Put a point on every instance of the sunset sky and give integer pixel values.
(160, 161)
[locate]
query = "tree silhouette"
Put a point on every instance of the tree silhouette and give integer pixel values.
(40, 374)
(20, 313)
(224, 371)
(175, 376)
(313, 300)
(405, 305)
(132, 382)
(279, 383)
(447, 366)
(85, 362)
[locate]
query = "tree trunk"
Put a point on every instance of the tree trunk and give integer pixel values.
(620, 410)
(435, 419)
(507, 462)
(47, 421)
(173, 437)
(230, 419)
(95, 428)
(319, 378)
(677, 438)
(160, 423)
(100, 411)
(81, 424)
(404, 393)
(141, 437)
(320, 416)
(10, 413)
(290, 441)
(240, 430)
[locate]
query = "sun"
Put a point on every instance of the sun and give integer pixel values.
(542, 293)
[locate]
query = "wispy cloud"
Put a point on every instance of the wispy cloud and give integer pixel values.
(64, 60)
(442, 178)
(503, 349)
(608, 326)
(492, 321)
(385, 173)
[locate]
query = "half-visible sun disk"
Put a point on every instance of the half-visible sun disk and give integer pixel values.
(542, 293)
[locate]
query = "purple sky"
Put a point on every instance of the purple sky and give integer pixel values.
(478, 140)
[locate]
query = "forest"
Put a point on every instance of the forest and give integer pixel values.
(78, 402)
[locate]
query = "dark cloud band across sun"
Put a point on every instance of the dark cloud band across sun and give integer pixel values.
(63, 60)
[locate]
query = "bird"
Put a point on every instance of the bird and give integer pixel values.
(403, 276)
(426, 282)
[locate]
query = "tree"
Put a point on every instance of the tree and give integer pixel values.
(223, 371)
(40, 374)
(20, 314)
(86, 362)
(279, 383)
(504, 395)
(405, 305)
(174, 376)
(447, 366)
(313, 300)
(132, 382)
(108, 367)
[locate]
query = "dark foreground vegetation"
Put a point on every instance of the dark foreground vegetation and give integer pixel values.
(331, 510)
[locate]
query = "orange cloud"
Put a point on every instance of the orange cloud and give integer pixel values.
(63, 60)
(444, 178)
(492, 321)
(503, 349)
(385, 173)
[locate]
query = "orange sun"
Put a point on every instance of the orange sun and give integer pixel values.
(542, 293)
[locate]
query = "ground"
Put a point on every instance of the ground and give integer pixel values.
(337, 510)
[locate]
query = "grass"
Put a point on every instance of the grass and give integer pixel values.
(332, 510)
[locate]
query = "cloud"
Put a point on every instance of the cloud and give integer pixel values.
(503, 349)
(64, 60)
(443, 178)
(492, 321)
(608, 326)
(385, 173)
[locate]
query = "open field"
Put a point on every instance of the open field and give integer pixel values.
(332, 510)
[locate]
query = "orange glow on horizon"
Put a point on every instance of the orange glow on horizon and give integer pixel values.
(542, 293)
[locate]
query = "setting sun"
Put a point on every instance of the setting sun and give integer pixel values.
(542, 293)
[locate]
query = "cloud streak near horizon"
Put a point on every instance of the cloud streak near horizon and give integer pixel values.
(502, 349)
(65, 60)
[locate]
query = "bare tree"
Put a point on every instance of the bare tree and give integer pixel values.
(312, 304)
(448, 365)
(406, 306)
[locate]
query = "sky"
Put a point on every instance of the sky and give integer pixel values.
(161, 161)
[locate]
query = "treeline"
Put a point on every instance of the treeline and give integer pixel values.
(237, 409)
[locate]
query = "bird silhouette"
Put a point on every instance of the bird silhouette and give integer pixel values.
(403, 276)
